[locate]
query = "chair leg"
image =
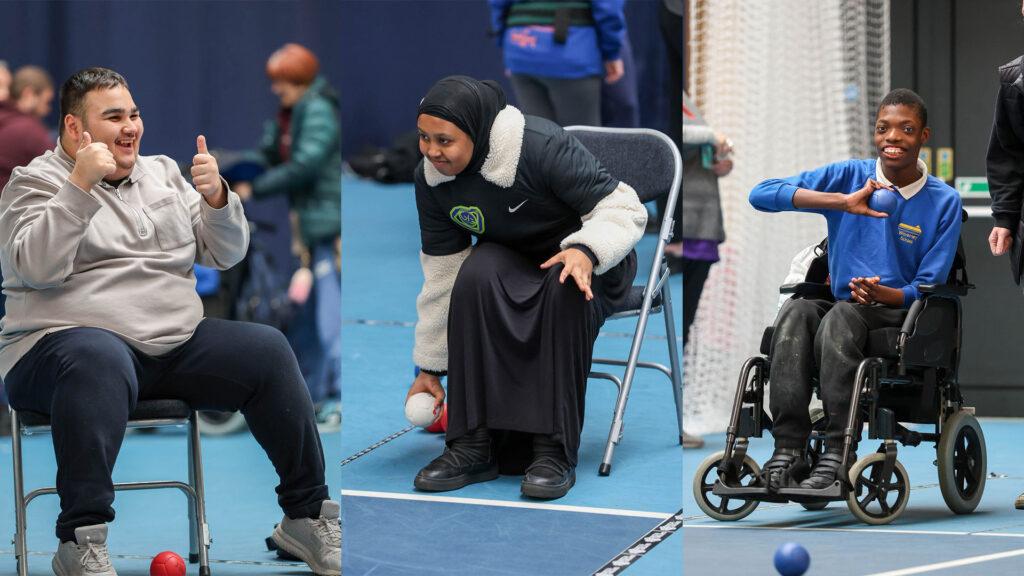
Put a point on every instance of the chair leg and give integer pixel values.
(193, 521)
(675, 361)
(20, 540)
(196, 479)
(615, 433)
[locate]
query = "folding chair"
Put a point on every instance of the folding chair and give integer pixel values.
(648, 161)
(147, 413)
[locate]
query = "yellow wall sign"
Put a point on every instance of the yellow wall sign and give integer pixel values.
(926, 156)
(944, 164)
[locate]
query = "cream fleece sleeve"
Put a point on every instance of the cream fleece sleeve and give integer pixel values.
(439, 272)
(612, 228)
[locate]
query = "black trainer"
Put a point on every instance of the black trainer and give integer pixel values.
(549, 476)
(827, 469)
(465, 461)
(785, 469)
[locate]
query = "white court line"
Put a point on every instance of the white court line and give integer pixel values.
(868, 530)
(507, 504)
(951, 564)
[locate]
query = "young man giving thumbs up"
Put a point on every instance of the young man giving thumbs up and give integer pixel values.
(97, 246)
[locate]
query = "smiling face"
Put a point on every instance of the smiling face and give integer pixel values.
(899, 135)
(444, 145)
(110, 117)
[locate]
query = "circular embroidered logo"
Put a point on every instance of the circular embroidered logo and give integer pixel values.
(469, 217)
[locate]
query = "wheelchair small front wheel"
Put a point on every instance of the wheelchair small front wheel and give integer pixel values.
(875, 499)
(723, 509)
(963, 462)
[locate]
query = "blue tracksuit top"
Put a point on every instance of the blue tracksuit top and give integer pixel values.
(915, 245)
(532, 50)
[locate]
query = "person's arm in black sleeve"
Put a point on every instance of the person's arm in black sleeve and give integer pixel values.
(1005, 160)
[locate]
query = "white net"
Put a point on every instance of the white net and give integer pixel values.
(795, 85)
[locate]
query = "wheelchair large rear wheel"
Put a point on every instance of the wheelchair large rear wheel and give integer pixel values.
(963, 463)
(723, 509)
(874, 499)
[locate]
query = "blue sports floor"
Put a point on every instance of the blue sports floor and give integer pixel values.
(240, 502)
(926, 539)
(484, 529)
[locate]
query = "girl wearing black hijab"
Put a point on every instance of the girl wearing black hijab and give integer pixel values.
(512, 319)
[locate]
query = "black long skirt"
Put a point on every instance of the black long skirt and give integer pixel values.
(519, 349)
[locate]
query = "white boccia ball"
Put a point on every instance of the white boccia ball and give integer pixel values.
(419, 410)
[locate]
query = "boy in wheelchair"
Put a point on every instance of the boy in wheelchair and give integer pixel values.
(877, 262)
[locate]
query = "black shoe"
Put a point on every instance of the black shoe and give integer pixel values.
(826, 471)
(785, 469)
(465, 461)
(549, 476)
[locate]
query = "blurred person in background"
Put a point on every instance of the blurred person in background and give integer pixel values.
(5, 81)
(557, 55)
(22, 134)
(1005, 166)
(302, 150)
(22, 138)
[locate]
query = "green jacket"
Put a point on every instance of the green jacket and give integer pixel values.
(312, 176)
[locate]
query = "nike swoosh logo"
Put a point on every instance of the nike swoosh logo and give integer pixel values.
(512, 210)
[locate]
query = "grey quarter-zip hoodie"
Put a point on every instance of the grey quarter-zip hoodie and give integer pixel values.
(119, 258)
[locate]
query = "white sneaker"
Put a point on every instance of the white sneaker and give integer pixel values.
(89, 557)
(315, 542)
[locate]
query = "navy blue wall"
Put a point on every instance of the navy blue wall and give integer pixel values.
(395, 50)
(193, 66)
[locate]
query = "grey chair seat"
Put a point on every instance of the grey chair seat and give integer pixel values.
(144, 410)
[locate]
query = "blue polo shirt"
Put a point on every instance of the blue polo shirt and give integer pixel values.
(915, 245)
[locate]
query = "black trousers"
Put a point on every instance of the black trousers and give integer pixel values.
(89, 380)
(827, 338)
(695, 273)
(520, 345)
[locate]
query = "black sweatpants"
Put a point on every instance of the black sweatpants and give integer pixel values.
(824, 337)
(89, 380)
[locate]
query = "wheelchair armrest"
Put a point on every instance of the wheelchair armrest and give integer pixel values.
(947, 290)
(808, 290)
(911, 319)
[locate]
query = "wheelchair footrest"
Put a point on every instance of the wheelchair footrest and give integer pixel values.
(758, 493)
(835, 491)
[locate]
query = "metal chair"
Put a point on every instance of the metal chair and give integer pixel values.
(648, 161)
(147, 413)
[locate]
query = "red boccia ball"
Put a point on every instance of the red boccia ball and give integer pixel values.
(441, 424)
(167, 564)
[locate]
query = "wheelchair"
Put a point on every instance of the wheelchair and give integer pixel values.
(909, 376)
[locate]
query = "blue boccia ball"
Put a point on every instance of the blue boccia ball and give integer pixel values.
(792, 559)
(883, 200)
